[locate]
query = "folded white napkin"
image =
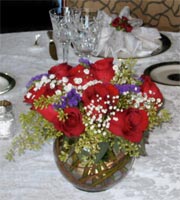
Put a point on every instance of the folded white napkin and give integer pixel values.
(140, 42)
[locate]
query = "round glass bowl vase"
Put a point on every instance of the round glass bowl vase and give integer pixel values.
(97, 177)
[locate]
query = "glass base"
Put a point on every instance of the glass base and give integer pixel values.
(97, 177)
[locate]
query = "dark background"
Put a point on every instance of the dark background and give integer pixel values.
(25, 15)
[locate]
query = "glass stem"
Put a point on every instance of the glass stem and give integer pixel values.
(65, 52)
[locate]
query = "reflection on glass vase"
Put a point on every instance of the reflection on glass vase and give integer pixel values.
(94, 178)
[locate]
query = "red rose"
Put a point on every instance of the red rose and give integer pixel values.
(100, 94)
(150, 88)
(80, 75)
(60, 70)
(130, 124)
(103, 69)
(73, 125)
(115, 22)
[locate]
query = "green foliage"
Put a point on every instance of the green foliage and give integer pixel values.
(129, 148)
(126, 74)
(61, 115)
(35, 132)
(43, 102)
(125, 102)
(103, 146)
(157, 119)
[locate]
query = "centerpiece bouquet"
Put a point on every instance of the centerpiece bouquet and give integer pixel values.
(97, 113)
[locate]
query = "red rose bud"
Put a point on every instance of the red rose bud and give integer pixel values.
(49, 113)
(60, 70)
(103, 70)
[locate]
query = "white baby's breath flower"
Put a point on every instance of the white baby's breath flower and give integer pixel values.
(99, 131)
(153, 99)
(68, 87)
(38, 85)
(104, 111)
(115, 119)
(158, 100)
(51, 76)
(90, 83)
(104, 133)
(115, 68)
(92, 127)
(99, 125)
(86, 149)
(44, 78)
(78, 80)
(150, 92)
(135, 88)
(28, 95)
(65, 79)
(136, 105)
(86, 71)
(35, 88)
(79, 87)
(147, 106)
(110, 107)
(52, 85)
(58, 92)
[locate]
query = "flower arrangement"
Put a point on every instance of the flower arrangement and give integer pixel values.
(95, 107)
(121, 24)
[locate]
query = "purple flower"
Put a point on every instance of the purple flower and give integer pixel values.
(127, 88)
(85, 62)
(35, 78)
(71, 99)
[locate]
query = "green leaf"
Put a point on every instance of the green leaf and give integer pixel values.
(143, 147)
(116, 147)
(103, 149)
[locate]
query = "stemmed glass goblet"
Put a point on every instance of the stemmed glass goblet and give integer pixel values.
(85, 32)
(61, 31)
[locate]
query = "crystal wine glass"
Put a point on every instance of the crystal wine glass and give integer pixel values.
(85, 32)
(61, 32)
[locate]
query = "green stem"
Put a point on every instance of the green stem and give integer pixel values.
(107, 172)
(111, 171)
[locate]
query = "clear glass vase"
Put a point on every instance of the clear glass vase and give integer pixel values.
(97, 177)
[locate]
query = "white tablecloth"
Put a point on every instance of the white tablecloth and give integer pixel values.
(34, 176)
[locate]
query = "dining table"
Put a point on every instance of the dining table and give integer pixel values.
(35, 176)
